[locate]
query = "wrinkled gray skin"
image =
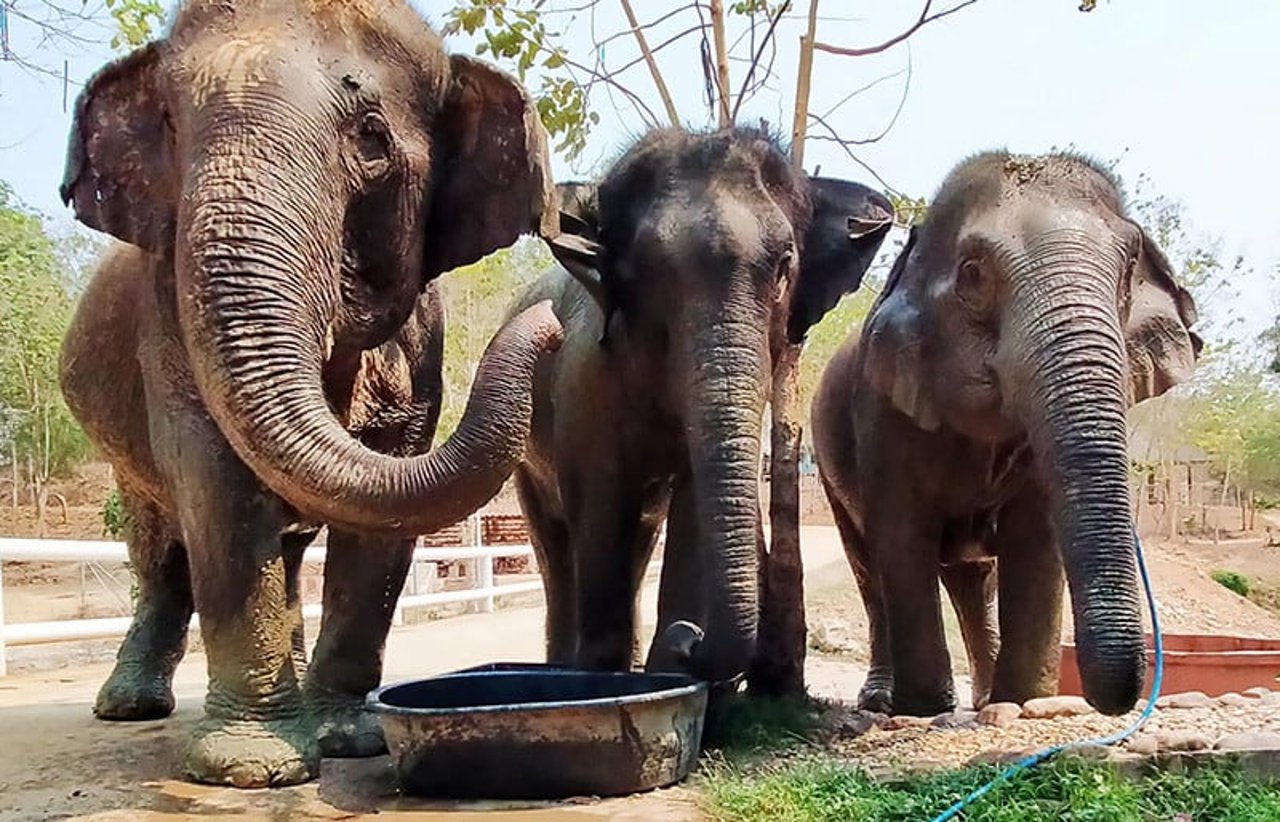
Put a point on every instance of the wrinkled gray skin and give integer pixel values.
(706, 253)
(263, 359)
(981, 414)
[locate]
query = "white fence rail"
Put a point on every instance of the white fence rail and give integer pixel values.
(16, 634)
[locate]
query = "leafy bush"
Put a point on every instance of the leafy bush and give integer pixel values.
(1232, 581)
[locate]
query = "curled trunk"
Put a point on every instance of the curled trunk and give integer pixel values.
(258, 279)
(1074, 404)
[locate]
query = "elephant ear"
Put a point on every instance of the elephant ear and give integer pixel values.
(849, 224)
(1162, 347)
(891, 356)
(493, 177)
(578, 247)
(118, 175)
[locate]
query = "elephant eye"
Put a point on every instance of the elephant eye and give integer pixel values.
(373, 140)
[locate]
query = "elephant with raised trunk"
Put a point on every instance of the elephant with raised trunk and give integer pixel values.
(691, 265)
(980, 416)
(262, 357)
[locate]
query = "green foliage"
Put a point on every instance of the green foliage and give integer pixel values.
(909, 211)
(35, 308)
(817, 789)
(137, 21)
(114, 517)
(825, 337)
(476, 298)
(520, 38)
(1232, 581)
(754, 725)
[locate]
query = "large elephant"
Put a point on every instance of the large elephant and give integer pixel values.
(290, 177)
(693, 263)
(981, 413)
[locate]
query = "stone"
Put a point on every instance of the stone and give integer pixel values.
(1052, 707)
(999, 714)
(1249, 741)
(900, 723)
(998, 757)
(856, 724)
(1143, 743)
(1183, 740)
(1257, 693)
(1234, 700)
(960, 720)
(1185, 701)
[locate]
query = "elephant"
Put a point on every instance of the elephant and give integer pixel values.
(685, 272)
(975, 431)
(260, 355)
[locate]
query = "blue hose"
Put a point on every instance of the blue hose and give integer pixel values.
(1048, 753)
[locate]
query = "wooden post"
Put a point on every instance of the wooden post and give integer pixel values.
(782, 636)
(722, 62)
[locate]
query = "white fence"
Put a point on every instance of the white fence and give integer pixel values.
(483, 593)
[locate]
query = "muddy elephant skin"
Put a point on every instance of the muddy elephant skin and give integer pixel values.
(261, 355)
(978, 422)
(690, 266)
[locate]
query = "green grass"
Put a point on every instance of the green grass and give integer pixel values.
(820, 789)
(1232, 581)
(751, 726)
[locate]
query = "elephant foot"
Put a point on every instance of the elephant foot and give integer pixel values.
(876, 695)
(931, 704)
(253, 754)
(346, 729)
(132, 694)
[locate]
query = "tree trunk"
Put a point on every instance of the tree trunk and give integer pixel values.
(643, 44)
(781, 646)
(804, 75)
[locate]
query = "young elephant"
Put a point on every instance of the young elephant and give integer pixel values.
(695, 261)
(981, 413)
(290, 177)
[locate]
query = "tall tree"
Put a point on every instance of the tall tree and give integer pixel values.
(41, 437)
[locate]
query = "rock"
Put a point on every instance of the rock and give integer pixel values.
(960, 720)
(899, 723)
(854, 725)
(1089, 753)
(999, 714)
(1143, 743)
(1052, 707)
(1234, 700)
(1183, 741)
(998, 757)
(1257, 693)
(1249, 741)
(1185, 700)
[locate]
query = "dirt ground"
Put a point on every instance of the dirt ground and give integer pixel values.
(58, 762)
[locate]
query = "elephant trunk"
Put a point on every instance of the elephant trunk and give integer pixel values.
(1070, 343)
(723, 418)
(258, 279)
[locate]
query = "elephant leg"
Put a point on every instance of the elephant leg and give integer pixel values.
(293, 545)
(905, 549)
(549, 536)
(256, 732)
(363, 577)
(1031, 580)
(604, 532)
(972, 588)
(141, 684)
(877, 690)
(680, 589)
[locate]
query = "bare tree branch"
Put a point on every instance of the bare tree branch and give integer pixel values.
(844, 144)
(755, 59)
(800, 120)
(643, 43)
(924, 18)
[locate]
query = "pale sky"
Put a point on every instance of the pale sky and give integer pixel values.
(1184, 91)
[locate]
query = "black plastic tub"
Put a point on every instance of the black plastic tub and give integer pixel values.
(522, 731)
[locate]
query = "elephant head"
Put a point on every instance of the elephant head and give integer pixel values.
(306, 169)
(1029, 306)
(707, 254)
